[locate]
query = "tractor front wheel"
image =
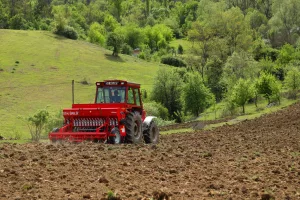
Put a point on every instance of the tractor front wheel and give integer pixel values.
(133, 127)
(151, 135)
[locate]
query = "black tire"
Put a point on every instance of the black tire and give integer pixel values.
(133, 128)
(117, 138)
(151, 135)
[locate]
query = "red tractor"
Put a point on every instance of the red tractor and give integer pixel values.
(117, 116)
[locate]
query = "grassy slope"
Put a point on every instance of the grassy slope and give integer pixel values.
(47, 64)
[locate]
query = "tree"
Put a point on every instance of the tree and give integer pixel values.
(196, 95)
(37, 123)
(134, 36)
(242, 92)
(116, 41)
(214, 75)
(117, 8)
(110, 23)
(286, 54)
(237, 29)
(292, 81)
(201, 34)
(18, 22)
(167, 91)
(269, 87)
(147, 8)
(239, 65)
(96, 33)
(285, 20)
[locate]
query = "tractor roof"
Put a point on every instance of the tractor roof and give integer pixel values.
(117, 83)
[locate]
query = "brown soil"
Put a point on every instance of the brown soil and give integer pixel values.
(258, 159)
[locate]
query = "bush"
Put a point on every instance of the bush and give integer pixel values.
(161, 122)
(173, 61)
(229, 108)
(18, 22)
(126, 49)
(37, 123)
(156, 109)
(55, 121)
(69, 32)
(180, 49)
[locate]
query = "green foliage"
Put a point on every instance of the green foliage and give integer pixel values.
(55, 120)
(156, 109)
(239, 65)
(134, 36)
(96, 34)
(112, 196)
(18, 22)
(229, 108)
(167, 91)
(126, 49)
(162, 122)
(110, 23)
(256, 19)
(116, 41)
(196, 95)
(69, 32)
(242, 92)
(269, 87)
(292, 81)
(286, 54)
(214, 74)
(36, 124)
(157, 35)
(180, 49)
(284, 22)
(173, 61)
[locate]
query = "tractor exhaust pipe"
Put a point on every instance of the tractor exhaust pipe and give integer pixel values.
(72, 91)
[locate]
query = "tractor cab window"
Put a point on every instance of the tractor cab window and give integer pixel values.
(130, 96)
(110, 95)
(137, 97)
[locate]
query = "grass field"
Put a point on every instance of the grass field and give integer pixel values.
(36, 70)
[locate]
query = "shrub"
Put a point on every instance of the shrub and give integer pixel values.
(55, 121)
(18, 22)
(180, 49)
(156, 109)
(37, 123)
(66, 31)
(70, 32)
(96, 34)
(229, 108)
(161, 122)
(173, 61)
(126, 49)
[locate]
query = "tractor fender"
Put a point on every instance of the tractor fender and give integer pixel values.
(147, 122)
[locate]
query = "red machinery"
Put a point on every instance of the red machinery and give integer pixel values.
(117, 116)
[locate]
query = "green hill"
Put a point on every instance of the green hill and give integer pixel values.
(36, 70)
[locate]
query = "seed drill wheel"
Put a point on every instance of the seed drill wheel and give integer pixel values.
(117, 138)
(151, 135)
(133, 127)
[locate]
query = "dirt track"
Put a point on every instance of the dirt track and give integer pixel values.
(257, 159)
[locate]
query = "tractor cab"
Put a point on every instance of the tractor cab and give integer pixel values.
(119, 92)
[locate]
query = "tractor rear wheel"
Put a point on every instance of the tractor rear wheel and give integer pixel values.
(151, 135)
(133, 127)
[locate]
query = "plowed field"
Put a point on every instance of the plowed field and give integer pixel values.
(257, 159)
